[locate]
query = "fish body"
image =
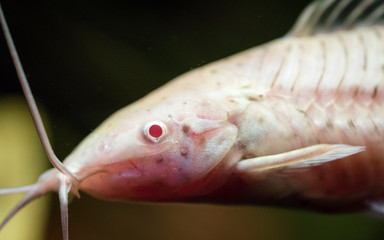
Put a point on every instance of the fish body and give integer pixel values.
(288, 94)
(295, 122)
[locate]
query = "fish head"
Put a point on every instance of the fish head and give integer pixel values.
(153, 153)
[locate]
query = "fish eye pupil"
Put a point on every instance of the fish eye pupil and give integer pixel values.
(155, 131)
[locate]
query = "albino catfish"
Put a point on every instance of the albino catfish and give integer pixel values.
(296, 122)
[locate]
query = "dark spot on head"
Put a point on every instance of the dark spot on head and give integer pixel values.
(351, 124)
(184, 103)
(252, 98)
(201, 141)
(185, 128)
(148, 109)
(160, 160)
(374, 92)
(376, 128)
(356, 91)
(184, 152)
(329, 124)
(255, 98)
(213, 71)
(260, 120)
(302, 111)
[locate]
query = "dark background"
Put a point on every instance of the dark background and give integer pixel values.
(86, 59)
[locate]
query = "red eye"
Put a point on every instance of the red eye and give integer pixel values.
(154, 131)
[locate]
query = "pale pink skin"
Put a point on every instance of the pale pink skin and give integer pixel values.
(285, 95)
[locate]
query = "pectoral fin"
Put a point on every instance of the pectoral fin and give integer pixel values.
(304, 157)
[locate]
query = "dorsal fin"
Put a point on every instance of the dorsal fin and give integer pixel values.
(324, 16)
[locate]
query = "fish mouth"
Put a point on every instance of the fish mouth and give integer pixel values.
(115, 181)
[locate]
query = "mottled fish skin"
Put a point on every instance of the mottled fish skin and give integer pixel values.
(327, 88)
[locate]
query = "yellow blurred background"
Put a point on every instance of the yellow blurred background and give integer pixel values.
(21, 160)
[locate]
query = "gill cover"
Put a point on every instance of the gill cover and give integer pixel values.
(205, 145)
